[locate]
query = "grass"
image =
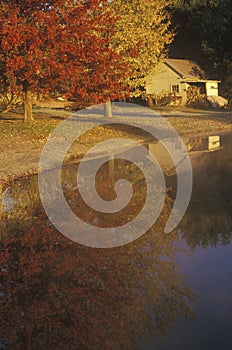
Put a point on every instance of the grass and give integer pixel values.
(12, 125)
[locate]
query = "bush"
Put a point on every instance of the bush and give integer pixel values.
(195, 98)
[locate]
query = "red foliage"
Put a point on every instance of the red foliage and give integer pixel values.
(62, 46)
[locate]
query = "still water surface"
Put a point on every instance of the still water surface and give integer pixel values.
(159, 292)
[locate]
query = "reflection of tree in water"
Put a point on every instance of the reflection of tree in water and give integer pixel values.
(208, 220)
(56, 294)
(18, 204)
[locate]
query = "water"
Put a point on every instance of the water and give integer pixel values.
(159, 292)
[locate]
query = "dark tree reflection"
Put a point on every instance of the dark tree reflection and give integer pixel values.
(55, 294)
(208, 220)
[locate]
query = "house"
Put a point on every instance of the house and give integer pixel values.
(174, 76)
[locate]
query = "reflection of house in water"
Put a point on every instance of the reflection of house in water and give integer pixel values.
(170, 161)
(194, 146)
(204, 144)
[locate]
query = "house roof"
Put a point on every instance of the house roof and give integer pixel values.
(186, 69)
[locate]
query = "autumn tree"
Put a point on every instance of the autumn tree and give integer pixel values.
(141, 36)
(59, 45)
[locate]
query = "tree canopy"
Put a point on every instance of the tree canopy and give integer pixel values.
(142, 33)
(208, 24)
(59, 45)
(93, 51)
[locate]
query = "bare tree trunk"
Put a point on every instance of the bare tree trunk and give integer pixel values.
(28, 117)
(7, 102)
(108, 109)
(150, 102)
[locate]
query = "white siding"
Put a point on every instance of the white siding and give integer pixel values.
(162, 81)
(211, 88)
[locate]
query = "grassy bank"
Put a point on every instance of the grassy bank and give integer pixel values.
(21, 144)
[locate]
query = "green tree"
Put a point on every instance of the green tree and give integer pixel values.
(207, 23)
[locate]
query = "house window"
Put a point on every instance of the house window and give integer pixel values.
(175, 89)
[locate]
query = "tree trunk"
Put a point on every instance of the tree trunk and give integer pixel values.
(28, 117)
(7, 102)
(108, 109)
(150, 102)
